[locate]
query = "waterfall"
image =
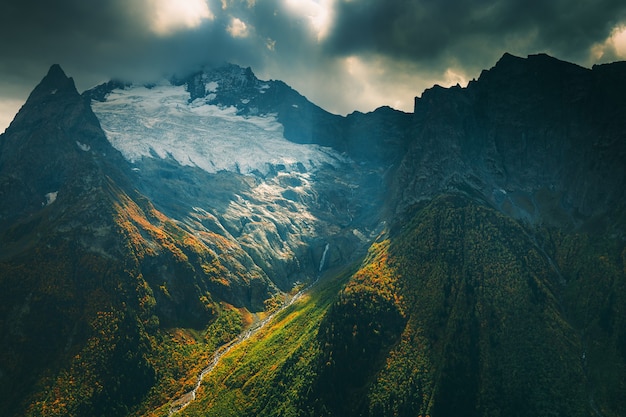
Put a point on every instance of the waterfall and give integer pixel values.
(323, 260)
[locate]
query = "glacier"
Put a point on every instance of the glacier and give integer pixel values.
(159, 121)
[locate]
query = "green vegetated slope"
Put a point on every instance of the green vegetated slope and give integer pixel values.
(104, 300)
(457, 311)
(97, 330)
(271, 373)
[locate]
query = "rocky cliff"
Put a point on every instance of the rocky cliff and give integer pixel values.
(538, 138)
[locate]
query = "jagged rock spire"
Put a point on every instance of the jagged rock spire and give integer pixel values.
(55, 82)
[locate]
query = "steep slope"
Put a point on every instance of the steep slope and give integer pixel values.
(159, 235)
(467, 315)
(128, 255)
(455, 312)
(54, 210)
(92, 275)
(539, 138)
(499, 287)
(462, 318)
(270, 372)
(500, 304)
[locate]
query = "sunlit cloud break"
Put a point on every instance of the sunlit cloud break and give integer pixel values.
(169, 16)
(237, 28)
(614, 47)
(318, 13)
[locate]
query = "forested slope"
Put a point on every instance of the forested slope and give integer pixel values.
(457, 311)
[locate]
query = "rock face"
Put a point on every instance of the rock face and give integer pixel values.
(54, 147)
(539, 138)
(62, 257)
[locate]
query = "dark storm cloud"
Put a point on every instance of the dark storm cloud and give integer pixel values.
(35, 31)
(368, 50)
(98, 40)
(103, 39)
(429, 31)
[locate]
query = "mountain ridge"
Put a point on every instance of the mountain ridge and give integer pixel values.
(480, 242)
(516, 161)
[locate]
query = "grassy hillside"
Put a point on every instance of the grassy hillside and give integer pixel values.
(272, 372)
(457, 311)
(109, 312)
(484, 329)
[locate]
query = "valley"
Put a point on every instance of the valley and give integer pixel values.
(186, 399)
(217, 245)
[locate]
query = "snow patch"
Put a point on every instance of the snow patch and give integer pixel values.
(83, 147)
(51, 197)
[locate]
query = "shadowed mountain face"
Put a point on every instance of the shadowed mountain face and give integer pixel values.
(141, 227)
(216, 152)
(459, 312)
(42, 154)
(540, 139)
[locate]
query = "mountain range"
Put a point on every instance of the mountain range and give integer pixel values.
(468, 258)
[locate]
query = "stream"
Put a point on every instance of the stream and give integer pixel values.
(186, 399)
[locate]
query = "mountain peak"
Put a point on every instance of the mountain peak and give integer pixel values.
(53, 144)
(51, 95)
(56, 71)
(541, 57)
(513, 66)
(53, 83)
(508, 58)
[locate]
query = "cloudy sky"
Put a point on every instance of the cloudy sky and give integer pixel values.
(344, 55)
